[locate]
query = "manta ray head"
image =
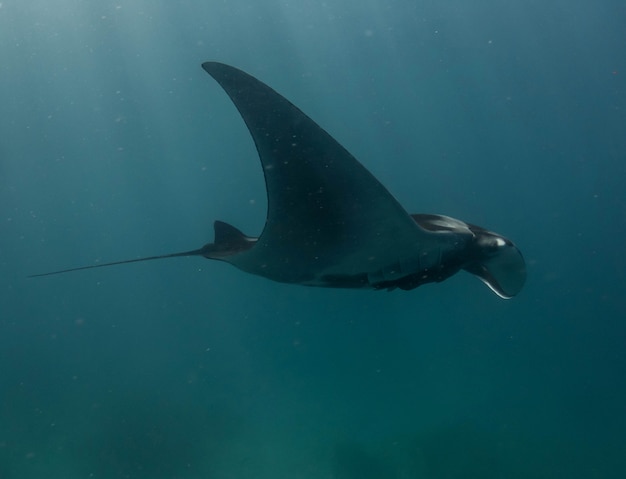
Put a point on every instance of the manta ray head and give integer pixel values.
(494, 259)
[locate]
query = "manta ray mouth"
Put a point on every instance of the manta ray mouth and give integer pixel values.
(503, 271)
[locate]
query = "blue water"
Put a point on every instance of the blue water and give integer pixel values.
(115, 144)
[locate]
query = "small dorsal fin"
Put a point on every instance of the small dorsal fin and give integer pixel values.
(227, 234)
(229, 240)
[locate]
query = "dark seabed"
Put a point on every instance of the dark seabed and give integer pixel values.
(115, 144)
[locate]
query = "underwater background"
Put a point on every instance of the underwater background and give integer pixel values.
(115, 144)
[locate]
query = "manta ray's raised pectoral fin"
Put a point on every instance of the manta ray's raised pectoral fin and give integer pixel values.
(327, 215)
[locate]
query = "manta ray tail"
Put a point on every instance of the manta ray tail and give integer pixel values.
(196, 252)
(228, 241)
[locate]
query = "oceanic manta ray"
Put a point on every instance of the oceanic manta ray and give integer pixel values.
(331, 223)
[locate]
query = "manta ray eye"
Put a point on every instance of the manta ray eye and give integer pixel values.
(490, 244)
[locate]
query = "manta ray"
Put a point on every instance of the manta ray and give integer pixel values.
(330, 222)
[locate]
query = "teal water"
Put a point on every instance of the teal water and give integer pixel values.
(115, 144)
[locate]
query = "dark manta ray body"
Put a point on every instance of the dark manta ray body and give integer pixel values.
(330, 223)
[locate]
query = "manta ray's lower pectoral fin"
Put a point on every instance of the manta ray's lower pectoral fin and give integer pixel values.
(504, 272)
